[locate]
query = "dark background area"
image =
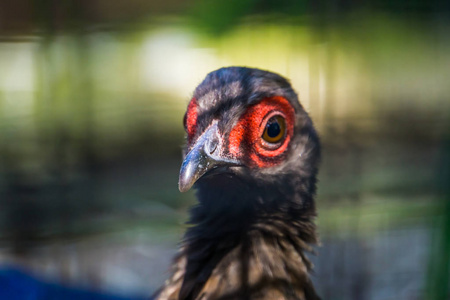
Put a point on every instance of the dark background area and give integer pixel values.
(92, 96)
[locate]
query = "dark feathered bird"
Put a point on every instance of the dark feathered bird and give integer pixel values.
(252, 153)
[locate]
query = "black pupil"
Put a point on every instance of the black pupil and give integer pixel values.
(273, 128)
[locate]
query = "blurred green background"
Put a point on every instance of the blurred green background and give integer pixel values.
(92, 96)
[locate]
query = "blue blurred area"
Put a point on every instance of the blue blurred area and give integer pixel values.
(16, 284)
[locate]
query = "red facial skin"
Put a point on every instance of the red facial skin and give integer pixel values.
(245, 140)
(190, 119)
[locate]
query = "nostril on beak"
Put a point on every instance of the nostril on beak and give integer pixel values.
(213, 148)
(212, 145)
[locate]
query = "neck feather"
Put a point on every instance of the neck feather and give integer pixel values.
(227, 219)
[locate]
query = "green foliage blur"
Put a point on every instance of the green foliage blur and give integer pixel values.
(92, 97)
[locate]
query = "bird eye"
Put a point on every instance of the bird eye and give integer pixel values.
(274, 130)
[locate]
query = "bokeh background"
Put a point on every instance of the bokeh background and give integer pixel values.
(92, 95)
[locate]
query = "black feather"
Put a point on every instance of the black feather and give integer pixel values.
(250, 218)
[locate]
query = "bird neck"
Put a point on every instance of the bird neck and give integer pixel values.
(227, 215)
(234, 222)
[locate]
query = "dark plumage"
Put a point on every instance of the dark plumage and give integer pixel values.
(254, 219)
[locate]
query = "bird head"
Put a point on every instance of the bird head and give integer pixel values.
(246, 131)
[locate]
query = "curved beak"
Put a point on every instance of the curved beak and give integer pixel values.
(203, 157)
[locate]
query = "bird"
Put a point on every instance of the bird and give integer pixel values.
(252, 154)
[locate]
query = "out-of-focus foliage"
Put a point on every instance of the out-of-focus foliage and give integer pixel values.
(92, 96)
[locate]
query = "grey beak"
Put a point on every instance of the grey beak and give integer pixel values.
(202, 158)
